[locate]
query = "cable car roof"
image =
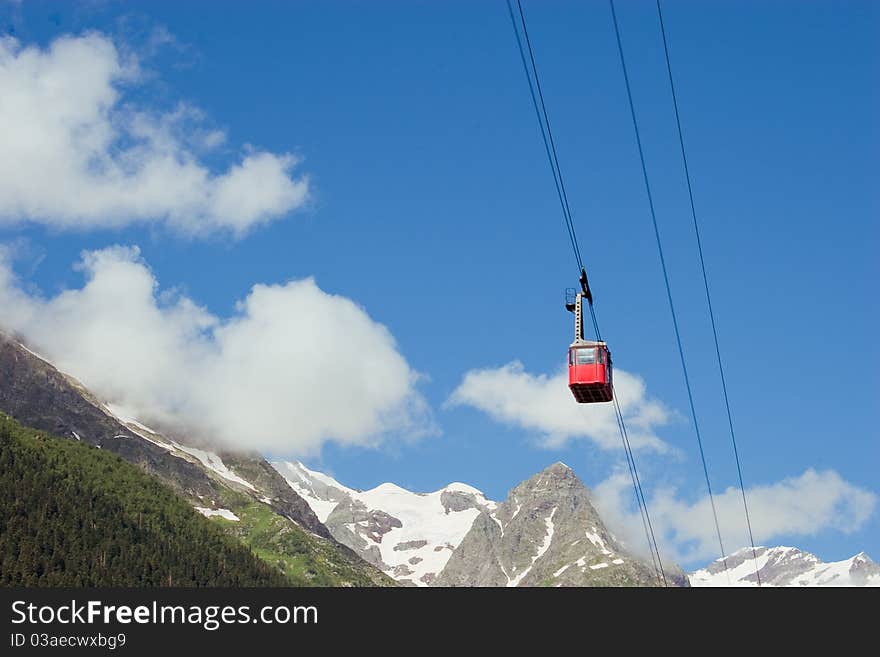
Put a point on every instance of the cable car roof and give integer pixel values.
(587, 343)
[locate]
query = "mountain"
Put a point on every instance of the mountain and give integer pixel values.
(787, 566)
(74, 515)
(241, 492)
(410, 536)
(547, 532)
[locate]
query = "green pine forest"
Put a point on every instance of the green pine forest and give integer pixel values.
(74, 515)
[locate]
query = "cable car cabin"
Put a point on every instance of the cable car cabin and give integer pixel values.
(589, 372)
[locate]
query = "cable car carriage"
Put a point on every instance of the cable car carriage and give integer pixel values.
(589, 362)
(589, 371)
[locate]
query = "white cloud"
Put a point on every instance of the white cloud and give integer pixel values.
(796, 506)
(544, 404)
(77, 152)
(293, 368)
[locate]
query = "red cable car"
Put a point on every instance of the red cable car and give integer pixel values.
(589, 371)
(589, 362)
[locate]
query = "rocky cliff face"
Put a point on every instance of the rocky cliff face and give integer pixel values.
(787, 566)
(547, 533)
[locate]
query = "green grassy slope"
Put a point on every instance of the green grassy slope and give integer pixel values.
(306, 559)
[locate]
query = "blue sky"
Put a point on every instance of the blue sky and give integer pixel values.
(431, 205)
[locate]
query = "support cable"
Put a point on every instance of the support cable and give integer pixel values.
(708, 295)
(552, 156)
(666, 281)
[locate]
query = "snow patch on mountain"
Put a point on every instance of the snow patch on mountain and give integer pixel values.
(208, 459)
(222, 513)
(325, 479)
(34, 353)
(320, 491)
(462, 488)
(143, 431)
(215, 464)
(127, 418)
(598, 541)
(322, 508)
(542, 549)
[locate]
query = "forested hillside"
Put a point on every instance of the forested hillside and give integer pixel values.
(75, 515)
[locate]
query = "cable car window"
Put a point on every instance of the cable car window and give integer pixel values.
(601, 356)
(586, 356)
(571, 356)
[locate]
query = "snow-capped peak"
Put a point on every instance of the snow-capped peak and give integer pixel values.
(463, 488)
(786, 566)
(409, 535)
(314, 475)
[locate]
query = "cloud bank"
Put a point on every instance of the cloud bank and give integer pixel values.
(537, 402)
(77, 152)
(796, 506)
(293, 368)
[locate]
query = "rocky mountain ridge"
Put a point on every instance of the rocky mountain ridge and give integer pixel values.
(786, 566)
(547, 532)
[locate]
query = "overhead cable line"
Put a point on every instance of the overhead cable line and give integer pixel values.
(706, 286)
(666, 280)
(640, 495)
(550, 147)
(641, 502)
(544, 123)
